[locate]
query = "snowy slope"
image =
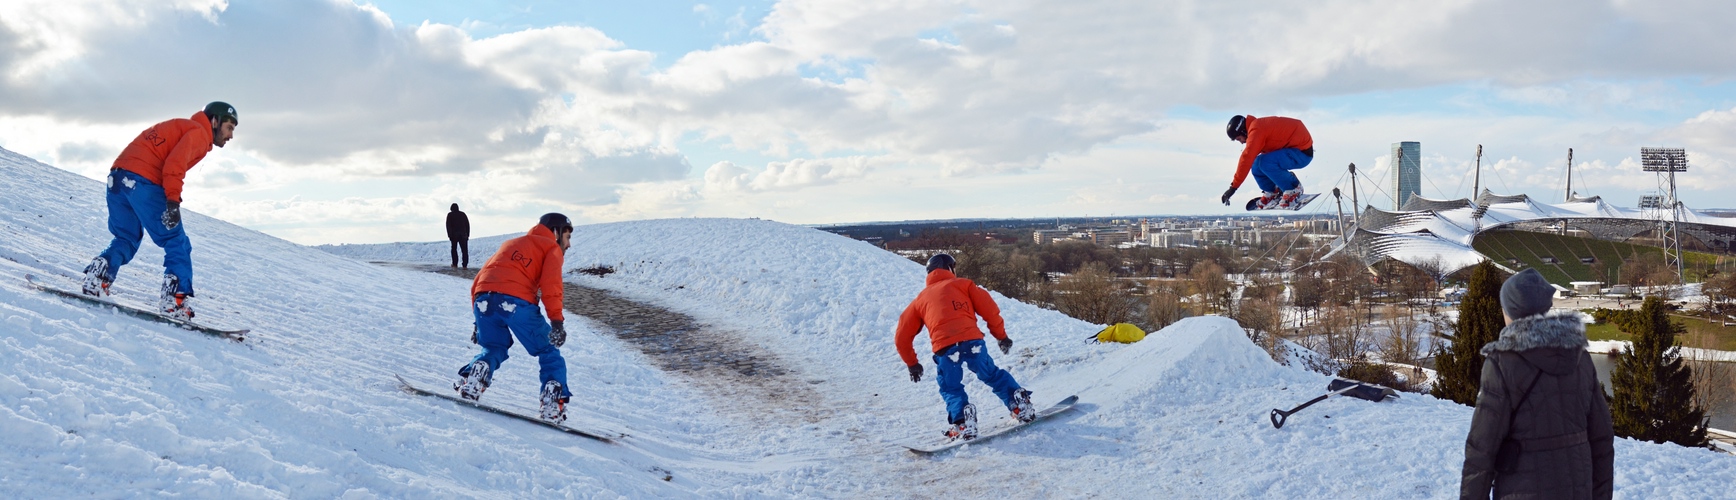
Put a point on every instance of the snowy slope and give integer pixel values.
(93, 403)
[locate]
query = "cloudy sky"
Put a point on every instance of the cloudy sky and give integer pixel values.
(362, 122)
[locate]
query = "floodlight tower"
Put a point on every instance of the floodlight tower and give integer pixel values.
(1666, 162)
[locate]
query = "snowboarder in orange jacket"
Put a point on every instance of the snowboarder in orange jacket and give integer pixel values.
(948, 308)
(144, 197)
(503, 299)
(1272, 147)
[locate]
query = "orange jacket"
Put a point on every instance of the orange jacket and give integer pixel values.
(1270, 134)
(949, 308)
(524, 265)
(165, 152)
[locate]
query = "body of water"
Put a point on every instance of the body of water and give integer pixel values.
(1722, 417)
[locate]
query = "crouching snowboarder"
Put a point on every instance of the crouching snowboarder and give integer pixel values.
(503, 299)
(1271, 148)
(1542, 428)
(948, 308)
(144, 197)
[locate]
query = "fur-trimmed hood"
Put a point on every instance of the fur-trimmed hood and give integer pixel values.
(1550, 341)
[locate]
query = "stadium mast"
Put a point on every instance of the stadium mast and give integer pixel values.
(1666, 162)
(1568, 196)
(1477, 183)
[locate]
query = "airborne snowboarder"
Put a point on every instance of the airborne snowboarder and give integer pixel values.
(144, 196)
(503, 300)
(1272, 147)
(949, 307)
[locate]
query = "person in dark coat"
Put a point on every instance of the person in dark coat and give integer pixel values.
(458, 231)
(1542, 426)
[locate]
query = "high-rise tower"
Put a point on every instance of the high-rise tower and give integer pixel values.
(1407, 172)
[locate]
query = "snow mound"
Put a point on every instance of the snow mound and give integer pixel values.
(1195, 361)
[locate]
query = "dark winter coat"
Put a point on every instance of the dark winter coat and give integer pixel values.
(457, 225)
(1542, 426)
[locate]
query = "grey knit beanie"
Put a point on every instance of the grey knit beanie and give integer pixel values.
(1526, 294)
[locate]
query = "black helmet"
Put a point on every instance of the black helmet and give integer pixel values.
(218, 111)
(1238, 127)
(556, 222)
(941, 261)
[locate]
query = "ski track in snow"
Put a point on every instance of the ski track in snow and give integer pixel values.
(95, 403)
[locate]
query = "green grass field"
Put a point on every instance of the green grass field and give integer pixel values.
(1530, 249)
(1718, 337)
(1605, 332)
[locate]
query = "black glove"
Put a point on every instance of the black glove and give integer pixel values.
(1006, 345)
(172, 216)
(1227, 194)
(558, 334)
(473, 330)
(915, 372)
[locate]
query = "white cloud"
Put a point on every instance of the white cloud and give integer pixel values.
(858, 104)
(726, 176)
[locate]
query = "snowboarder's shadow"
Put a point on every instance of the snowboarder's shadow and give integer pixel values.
(1062, 436)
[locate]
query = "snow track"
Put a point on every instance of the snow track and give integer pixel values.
(98, 404)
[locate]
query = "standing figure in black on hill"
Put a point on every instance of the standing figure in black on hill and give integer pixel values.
(1542, 427)
(458, 231)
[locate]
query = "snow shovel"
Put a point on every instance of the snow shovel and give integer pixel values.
(1339, 387)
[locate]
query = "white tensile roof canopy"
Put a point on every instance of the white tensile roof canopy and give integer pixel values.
(1437, 234)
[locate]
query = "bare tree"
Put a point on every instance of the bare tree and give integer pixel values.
(1164, 303)
(1213, 287)
(1263, 321)
(1646, 270)
(1409, 282)
(1400, 345)
(1264, 287)
(1343, 332)
(1308, 292)
(1714, 381)
(1015, 274)
(1093, 294)
(1720, 290)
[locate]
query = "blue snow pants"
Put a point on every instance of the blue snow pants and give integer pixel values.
(499, 318)
(1272, 170)
(135, 207)
(949, 365)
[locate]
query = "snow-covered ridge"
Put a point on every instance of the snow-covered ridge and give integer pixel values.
(93, 403)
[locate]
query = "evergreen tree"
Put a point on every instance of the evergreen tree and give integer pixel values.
(1654, 391)
(1460, 365)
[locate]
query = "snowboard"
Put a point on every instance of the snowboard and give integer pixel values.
(931, 448)
(517, 413)
(141, 312)
(1301, 201)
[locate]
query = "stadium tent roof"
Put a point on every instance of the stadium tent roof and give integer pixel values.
(1437, 234)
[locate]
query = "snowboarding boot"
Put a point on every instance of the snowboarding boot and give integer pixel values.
(96, 282)
(554, 405)
(1270, 199)
(1288, 198)
(172, 302)
(1022, 409)
(476, 378)
(965, 428)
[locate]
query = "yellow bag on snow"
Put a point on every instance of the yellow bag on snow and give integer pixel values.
(1124, 333)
